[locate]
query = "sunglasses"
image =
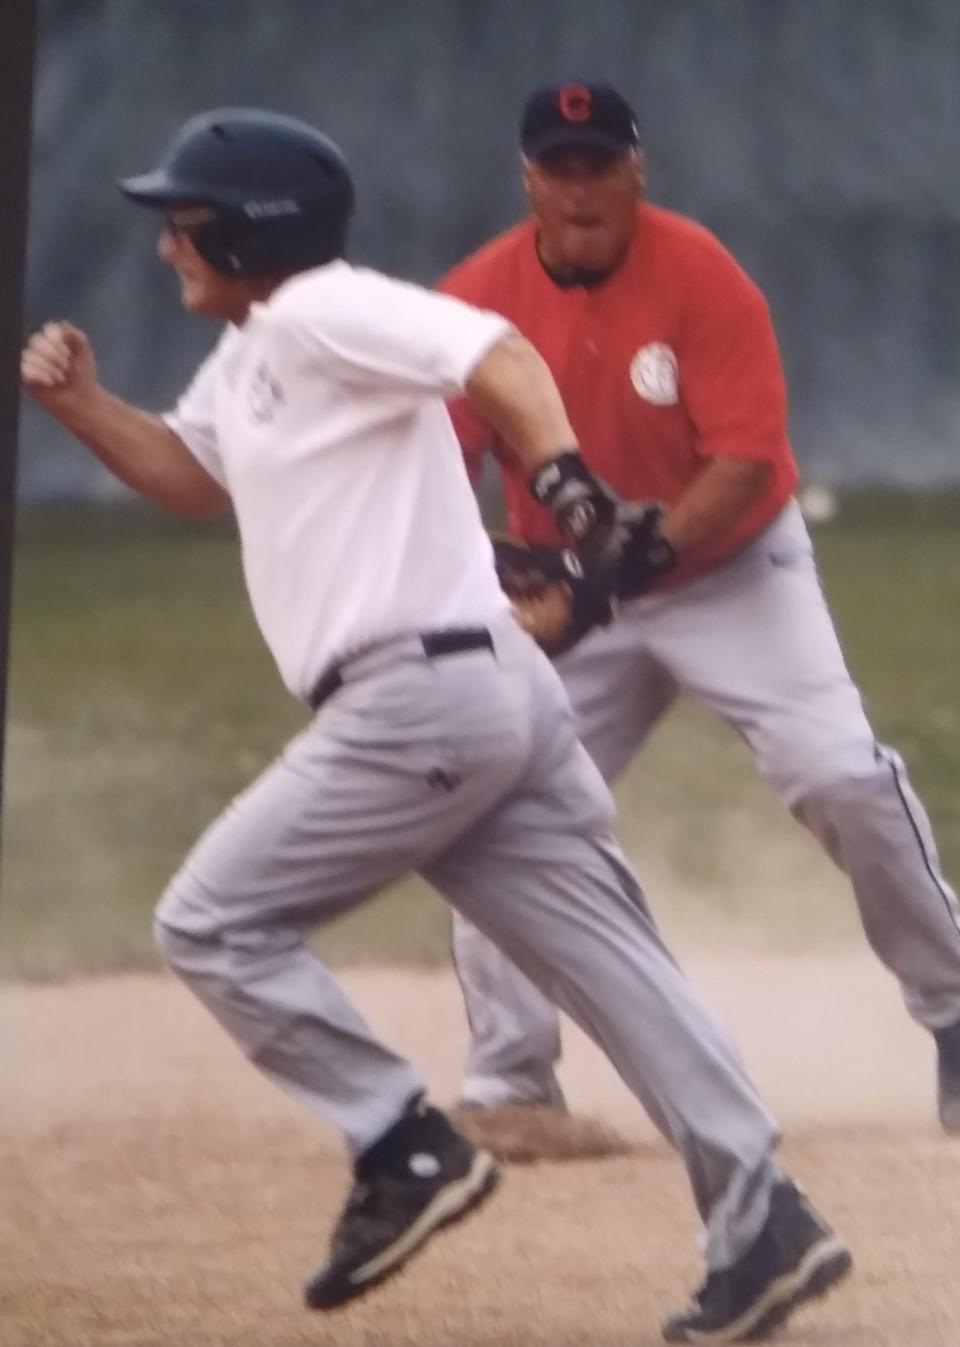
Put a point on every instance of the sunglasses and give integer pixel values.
(187, 224)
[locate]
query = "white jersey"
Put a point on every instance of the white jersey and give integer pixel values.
(323, 416)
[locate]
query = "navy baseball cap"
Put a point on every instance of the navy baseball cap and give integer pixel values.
(577, 116)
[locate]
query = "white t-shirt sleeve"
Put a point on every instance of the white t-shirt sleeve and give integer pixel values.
(381, 331)
(193, 419)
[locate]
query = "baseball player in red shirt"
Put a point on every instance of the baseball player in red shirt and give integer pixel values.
(666, 359)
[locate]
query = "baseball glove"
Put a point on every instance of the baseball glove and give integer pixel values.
(554, 597)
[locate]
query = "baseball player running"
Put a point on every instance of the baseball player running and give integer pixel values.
(665, 357)
(442, 740)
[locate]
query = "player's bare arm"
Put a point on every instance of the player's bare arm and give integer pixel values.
(513, 388)
(59, 372)
(514, 391)
(714, 501)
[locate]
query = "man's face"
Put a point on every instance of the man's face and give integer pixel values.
(202, 289)
(585, 204)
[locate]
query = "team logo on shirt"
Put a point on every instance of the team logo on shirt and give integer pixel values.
(654, 374)
(264, 394)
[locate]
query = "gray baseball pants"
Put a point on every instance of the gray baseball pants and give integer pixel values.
(754, 642)
(467, 769)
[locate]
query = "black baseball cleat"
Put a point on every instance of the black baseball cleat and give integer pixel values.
(420, 1176)
(948, 1077)
(795, 1258)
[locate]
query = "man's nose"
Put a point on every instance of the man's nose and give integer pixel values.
(577, 188)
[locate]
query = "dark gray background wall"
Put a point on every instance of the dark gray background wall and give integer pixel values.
(819, 138)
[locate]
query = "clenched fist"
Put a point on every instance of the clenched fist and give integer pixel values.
(57, 368)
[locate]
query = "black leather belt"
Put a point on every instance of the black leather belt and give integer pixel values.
(436, 644)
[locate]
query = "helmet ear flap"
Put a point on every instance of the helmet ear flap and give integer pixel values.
(235, 245)
(217, 243)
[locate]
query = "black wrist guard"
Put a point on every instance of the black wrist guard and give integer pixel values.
(579, 502)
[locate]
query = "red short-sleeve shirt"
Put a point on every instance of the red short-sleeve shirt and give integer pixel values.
(670, 362)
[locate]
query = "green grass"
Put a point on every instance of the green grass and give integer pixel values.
(141, 699)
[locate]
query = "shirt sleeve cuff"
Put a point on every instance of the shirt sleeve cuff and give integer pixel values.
(203, 452)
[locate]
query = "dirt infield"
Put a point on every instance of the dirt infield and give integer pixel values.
(156, 1191)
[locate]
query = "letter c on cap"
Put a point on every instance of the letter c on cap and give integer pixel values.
(576, 103)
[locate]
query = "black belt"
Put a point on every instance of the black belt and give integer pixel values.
(436, 644)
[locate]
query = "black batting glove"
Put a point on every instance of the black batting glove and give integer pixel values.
(584, 507)
(620, 544)
(645, 554)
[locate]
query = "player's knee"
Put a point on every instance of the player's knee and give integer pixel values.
(806, 742)
(855, 803)
(189, 909)
(182, 931)
(165, 941)
(180, 951)
(798, 769)
(872, 775)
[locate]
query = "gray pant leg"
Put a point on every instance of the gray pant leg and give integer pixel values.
(385, 778)
(544, 879)
(291, 1019)
(875, 828)
(514, 1029)
(617, 696)
(755, 643)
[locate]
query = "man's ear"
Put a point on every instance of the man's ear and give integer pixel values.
(525, 168)
(640, 167)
